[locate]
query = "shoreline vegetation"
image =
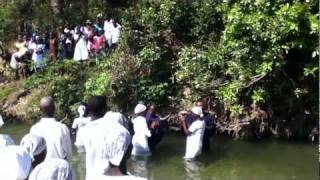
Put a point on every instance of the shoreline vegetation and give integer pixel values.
(255, 63)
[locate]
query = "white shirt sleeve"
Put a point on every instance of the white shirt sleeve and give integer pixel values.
(67, 143)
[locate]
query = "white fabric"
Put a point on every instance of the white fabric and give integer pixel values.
(81, 51)
(103, 177)
(116, 117)
(194, 139)
(197, 110)
(15, 163)
(116, 34)
(52, 169)
(139, 108)
(5, 140)
(140, 137)
(1, 121)
(81, 110)
(34, 144)
(37, 57)
(57, 137)
(90, 140)
(108, 29)
(114, 143)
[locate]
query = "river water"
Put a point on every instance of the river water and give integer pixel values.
(228, 160)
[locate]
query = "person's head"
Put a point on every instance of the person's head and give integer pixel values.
(201, 104)
(140, 110)
(152, 108)
(82, 110)
(52, 35)
(24, 38)
(88, 23)
(20, 39)
(116, 147)
(96, 107)
(52, 168)
(197, 112)
(36, 147)
(47, 106)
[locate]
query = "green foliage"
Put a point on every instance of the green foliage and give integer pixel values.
(242, 53)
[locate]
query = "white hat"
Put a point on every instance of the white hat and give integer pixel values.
(81, 110)
(1, 121)
(34, 144)
(115, 143)
(54, 168)
(116, 117)
(140, 108)
(15, 163)
(197, 110)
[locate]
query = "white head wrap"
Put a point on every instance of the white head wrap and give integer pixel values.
(197, 110)
(34, 144)
(115, 144)
(52, 169)
(6, 140)
(116, 117)
(15, 163)
(81, 110)
(140, 108)
(1, 121)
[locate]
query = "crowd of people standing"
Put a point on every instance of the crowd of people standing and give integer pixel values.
(107, 139)
(81, 42)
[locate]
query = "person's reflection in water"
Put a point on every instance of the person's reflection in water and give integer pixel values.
(139, 166)
(193, 168)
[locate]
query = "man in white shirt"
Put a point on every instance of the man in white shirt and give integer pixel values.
(194, 134)
(56, 134)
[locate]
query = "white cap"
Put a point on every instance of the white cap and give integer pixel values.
(140, 108)
(197, 110)
(115, 143)
(15, 163)
(116, 117)
(34, 144)
(54, 168)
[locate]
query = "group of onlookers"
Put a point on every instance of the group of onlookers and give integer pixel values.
(92, 40)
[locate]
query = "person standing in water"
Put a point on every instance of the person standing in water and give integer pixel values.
(56, 134)
(153, 121)
(194, 134)
(116, 147)
(141, 132)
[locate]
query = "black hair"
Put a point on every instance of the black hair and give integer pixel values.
(97, 106)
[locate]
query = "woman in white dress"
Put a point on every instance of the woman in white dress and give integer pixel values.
(141, 132)
(81, 52)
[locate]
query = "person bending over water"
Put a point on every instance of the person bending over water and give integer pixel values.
(56, 134)
(194, 134)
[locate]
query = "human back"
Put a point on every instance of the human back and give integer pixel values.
(56, 134)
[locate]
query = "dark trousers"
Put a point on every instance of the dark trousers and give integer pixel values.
(208, 133)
